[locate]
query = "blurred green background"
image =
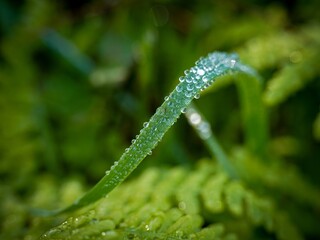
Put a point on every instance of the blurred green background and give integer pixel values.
(78, 79)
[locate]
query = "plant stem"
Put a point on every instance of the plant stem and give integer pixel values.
(203, 129)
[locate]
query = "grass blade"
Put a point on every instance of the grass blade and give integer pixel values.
(199, 77)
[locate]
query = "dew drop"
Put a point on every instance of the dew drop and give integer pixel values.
(150, 153)
(188, 94)
(190, 87)
(166, 98)
(197, 96)
(201, 72)
(107, 172)
(205, 79)
(186, 72)
(160, 110)
(133, 141)
(126, 150)
(192, 76)
(198, 85)
(195, 118)
(145, 124)
(233, 62)
(181, 79)
(178, 88)
(183, 110)
(170, 104)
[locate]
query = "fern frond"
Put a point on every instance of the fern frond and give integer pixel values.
(133, 211)
(292, 78)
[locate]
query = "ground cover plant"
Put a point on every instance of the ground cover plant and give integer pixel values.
(76, 88)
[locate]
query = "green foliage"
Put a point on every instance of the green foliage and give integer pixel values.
(174, 204)
(77, 81)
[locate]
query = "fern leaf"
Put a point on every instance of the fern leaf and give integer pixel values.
(291, 79)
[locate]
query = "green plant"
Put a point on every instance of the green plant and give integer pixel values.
(195, 80)
(75, 88)
(173, 204)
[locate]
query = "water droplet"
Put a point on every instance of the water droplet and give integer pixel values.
(201, 72)
(166, 98)
(188, 94)
(197, 96)
(188, 80)
(192, 76)
(126, 150)
(133, 141)
(205, 130)
(145, 124)
(198, 85)
(183, 110)
(107, 172)
(170, 104)
(178, 88)
(205, 79)
(186, 72)
(190, 87)
(150, 153)
(181, 79)
(160, 110)
(195, 118)
(233, 62)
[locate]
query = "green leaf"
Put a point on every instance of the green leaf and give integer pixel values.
(199, 77)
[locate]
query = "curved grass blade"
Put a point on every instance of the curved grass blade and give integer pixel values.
(203, 129)
(195, 80)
